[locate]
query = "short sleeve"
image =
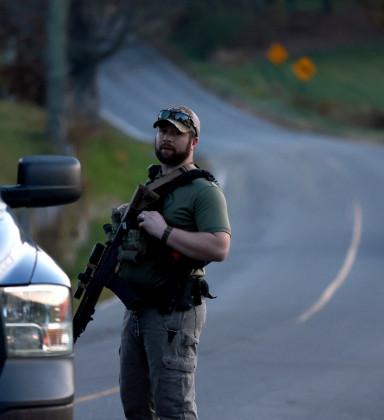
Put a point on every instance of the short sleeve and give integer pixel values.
(211, 214)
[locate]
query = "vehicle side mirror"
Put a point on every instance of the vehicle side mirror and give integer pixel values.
(43, 181)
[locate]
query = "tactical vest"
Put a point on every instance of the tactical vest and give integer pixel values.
(134, 247)
(182, 289)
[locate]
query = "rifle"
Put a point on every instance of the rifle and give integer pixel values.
(100, 271)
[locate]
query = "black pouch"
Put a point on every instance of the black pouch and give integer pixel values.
(195, 288)
(188, 298)
(166, 298)
(182, 296)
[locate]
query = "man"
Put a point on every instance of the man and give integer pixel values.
(158, 353)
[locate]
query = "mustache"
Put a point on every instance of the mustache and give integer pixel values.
(167, 147)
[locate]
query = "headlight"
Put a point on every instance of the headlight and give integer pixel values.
(37, 319)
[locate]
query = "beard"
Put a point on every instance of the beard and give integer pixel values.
(170, 156)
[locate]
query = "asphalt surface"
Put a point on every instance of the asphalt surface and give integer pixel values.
(297, 329)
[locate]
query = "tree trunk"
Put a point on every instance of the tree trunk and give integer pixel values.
(57, 73)
(84, 101)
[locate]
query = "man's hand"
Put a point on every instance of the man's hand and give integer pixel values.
(123, 207)
(153, 223)
(202, 246)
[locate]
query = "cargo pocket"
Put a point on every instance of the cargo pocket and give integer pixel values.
(183, 364)
(175, 391)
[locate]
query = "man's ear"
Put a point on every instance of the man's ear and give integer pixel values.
(194, 142)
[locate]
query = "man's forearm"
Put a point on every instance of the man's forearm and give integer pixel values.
(203, 246)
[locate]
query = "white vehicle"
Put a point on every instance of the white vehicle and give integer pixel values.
(36, 341)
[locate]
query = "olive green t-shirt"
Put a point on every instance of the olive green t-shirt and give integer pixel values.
(196, 207)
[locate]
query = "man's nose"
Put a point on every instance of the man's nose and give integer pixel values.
(168, 136)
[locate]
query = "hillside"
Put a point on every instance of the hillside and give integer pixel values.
(346, 95)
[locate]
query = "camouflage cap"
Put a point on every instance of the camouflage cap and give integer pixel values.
(174, 115)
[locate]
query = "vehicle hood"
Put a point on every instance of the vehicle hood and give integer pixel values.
(21, 260)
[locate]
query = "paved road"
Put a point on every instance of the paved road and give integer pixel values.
(297, 329)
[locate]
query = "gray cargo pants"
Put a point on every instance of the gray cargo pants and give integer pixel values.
(158, 358)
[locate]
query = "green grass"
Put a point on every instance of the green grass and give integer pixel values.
(112, 165)
(351, 75)
(345, 96)
(21, 133)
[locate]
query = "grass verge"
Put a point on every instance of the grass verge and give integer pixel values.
(21, 133)
(345, 97)
(112, 165)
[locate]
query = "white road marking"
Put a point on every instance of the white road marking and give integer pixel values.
(332, 288)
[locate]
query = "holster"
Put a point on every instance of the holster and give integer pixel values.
(183, 295)
(194, 290)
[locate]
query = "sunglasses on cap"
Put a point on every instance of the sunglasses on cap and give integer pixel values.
(177, 116)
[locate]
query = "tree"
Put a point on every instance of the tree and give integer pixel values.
(96, 29)
(376, 7)
(291, 5)
(22, 38)
(56, 74)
